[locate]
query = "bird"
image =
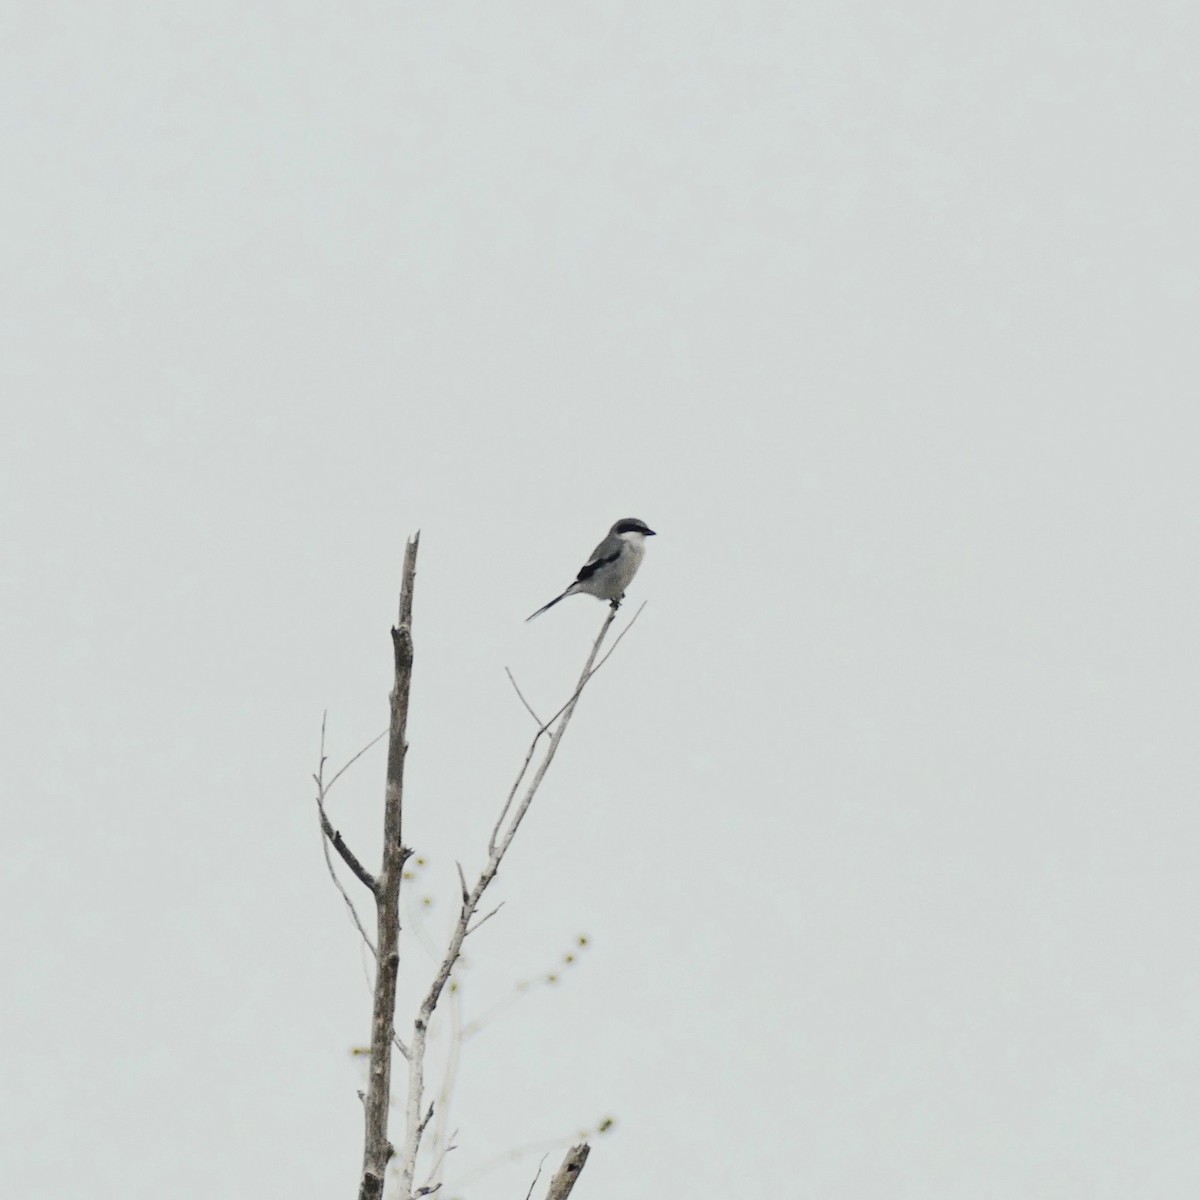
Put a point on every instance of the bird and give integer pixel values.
(610, 568)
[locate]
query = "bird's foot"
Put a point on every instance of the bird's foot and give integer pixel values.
(616, 601)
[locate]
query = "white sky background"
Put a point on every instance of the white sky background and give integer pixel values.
(883, 819)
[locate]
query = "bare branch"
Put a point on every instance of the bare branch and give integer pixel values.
(325, 841)
(566, 1175)
(567, 712)
(486, 917)
(592, 671)
(377, 1150)
(348, 764)
(528, 707)
(536, 1178)
(436, 1169)
(512, 792)
(589, 671)
(500, 841)
(428, 1117)
(617, 640)
(440, 1138)
(339, 844)
(337, 883)
(482, 1170)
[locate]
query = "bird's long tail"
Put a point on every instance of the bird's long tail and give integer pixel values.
(550, 605)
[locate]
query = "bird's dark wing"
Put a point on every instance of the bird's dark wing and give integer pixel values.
(607, 552)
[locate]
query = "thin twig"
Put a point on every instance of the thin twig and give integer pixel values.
(436, 1169)
(617, 640)
(347, 765)
(489, 1166)
(327, 829)
(607, 655)
(449, 1079)
(528, 707)
(547, 725)
(339, 844)
(428, 1117)
(325, 841)
(512, 791)
(536, 1178)
(486, 917)
(337, 883)
(566, 712)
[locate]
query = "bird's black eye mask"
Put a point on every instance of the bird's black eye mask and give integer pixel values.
(632, 526)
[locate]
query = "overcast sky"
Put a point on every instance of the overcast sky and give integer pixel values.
(882, 823)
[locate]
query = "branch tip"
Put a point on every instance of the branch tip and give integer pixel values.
(567, 1174)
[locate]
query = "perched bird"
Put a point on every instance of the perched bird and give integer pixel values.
(611, 567)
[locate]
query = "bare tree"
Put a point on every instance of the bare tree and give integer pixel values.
(384, 889)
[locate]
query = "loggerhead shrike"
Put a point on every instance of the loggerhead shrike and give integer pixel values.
(611, 566)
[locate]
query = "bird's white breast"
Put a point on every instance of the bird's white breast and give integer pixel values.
(631, 558)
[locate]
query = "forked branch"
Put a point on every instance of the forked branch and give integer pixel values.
(331, 837)
(502, 837)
